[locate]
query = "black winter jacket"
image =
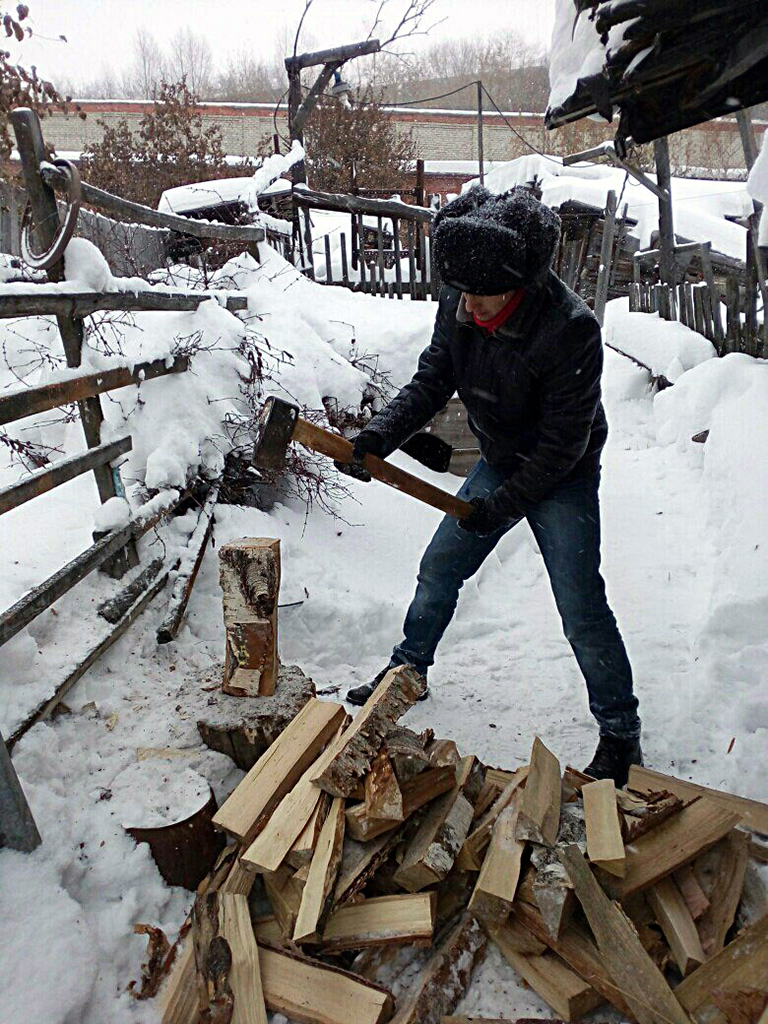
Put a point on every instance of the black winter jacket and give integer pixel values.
(532, 391)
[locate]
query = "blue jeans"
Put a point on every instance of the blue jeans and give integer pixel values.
(566, 526)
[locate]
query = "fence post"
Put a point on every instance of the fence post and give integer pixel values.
(411, 260)
(606, 258)
(344, 267)
(396, 246)
(328, 268)
(17, 826)
(29, 140)
(733, 303)
(714, 295)
(380, 257)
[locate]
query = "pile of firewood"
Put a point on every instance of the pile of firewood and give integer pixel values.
(370, 866)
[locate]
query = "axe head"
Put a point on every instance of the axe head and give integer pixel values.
(273, 434)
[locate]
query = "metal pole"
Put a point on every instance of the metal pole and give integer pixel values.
(480, 159)
(17, 826)
(666, 222)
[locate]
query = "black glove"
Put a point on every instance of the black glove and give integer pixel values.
(367, 442)
(481, 519)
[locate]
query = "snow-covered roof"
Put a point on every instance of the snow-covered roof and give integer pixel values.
(700, 206)
(187, 198)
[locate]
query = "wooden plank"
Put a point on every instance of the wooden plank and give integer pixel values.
(125, 210)
(312, 992)
(447, 976)
(398, 257)
(18, 830)
(641, 982)
(383, 798)
(677, 924)
(732, 855)
(344, 263)
(419, 791)
(278, 770)
(753, 813)
(316, 900)
(46, 707)
(45, 479)
(605, 847)
(227, 959)
(497, 882)
(343, 203)
(383, 920)
(81, 304)
(434, 848)
(741, 965)
(24, 402)
(568, 994)
(178, 997)
(539, 816)
(676, 842)
(470, 856)
(398, 691)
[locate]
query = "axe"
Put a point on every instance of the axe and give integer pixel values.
(280, 423)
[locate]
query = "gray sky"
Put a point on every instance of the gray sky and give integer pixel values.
(100, 32)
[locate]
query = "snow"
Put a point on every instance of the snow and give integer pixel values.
(757, 186)
(685, 556)
(699, 207)
(151, 794)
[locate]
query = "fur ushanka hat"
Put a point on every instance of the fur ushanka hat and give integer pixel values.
(485, 243)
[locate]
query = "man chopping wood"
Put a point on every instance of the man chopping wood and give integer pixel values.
(524, 354)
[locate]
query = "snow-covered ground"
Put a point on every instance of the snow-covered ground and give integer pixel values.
(685, 558)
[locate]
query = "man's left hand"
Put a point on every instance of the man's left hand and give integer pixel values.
(481, 520)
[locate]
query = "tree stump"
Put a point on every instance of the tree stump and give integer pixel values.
(171, 809)
(250, 584)
(243, 728)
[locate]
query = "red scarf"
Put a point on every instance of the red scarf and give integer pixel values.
(504, 313)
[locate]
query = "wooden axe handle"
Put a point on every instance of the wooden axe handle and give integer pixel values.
(340, 449)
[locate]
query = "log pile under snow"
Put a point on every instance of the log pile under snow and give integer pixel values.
(362, 855)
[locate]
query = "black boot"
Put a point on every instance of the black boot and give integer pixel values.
(613, 757)
(360, 694)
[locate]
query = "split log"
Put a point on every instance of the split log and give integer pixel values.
(605, 847)
(539, 815)
(227, 961)
(407, 753)
(179, 995)
(447, 976)
(289, 819)
(398, 691)
(642, 816)
(470, 857)
(753, 813)
(576, 947)
(113, 609)
(433, 850)
(300, 854)
(641, 982)
(284, 891)
(552, 888)
(383, 798)
(730, 857)
(250, 584)
(312, 992)
(693, 894)
(317, 898)
(176, 821)
(359, 862)
(677, 924)
(670, 846)
(383, 920)
(419, 791)
(742, 965)
(243, 728)
(497, 882)
(568, 994)
(442, 753)
(277, 771)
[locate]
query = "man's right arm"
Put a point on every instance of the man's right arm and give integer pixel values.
(432, 386)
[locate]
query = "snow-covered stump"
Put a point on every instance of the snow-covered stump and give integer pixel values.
(243, 728)
(172, 811)
(250, 583)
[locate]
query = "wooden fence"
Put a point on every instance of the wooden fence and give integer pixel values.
(113, 552)
(386, 251)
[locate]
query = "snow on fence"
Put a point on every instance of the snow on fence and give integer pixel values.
(113, 551)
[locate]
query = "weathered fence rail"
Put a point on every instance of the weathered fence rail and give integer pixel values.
(81, 304)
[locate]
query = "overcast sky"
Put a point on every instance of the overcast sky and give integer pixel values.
(100, 32)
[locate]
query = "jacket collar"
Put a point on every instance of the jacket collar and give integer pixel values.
(522, 320)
